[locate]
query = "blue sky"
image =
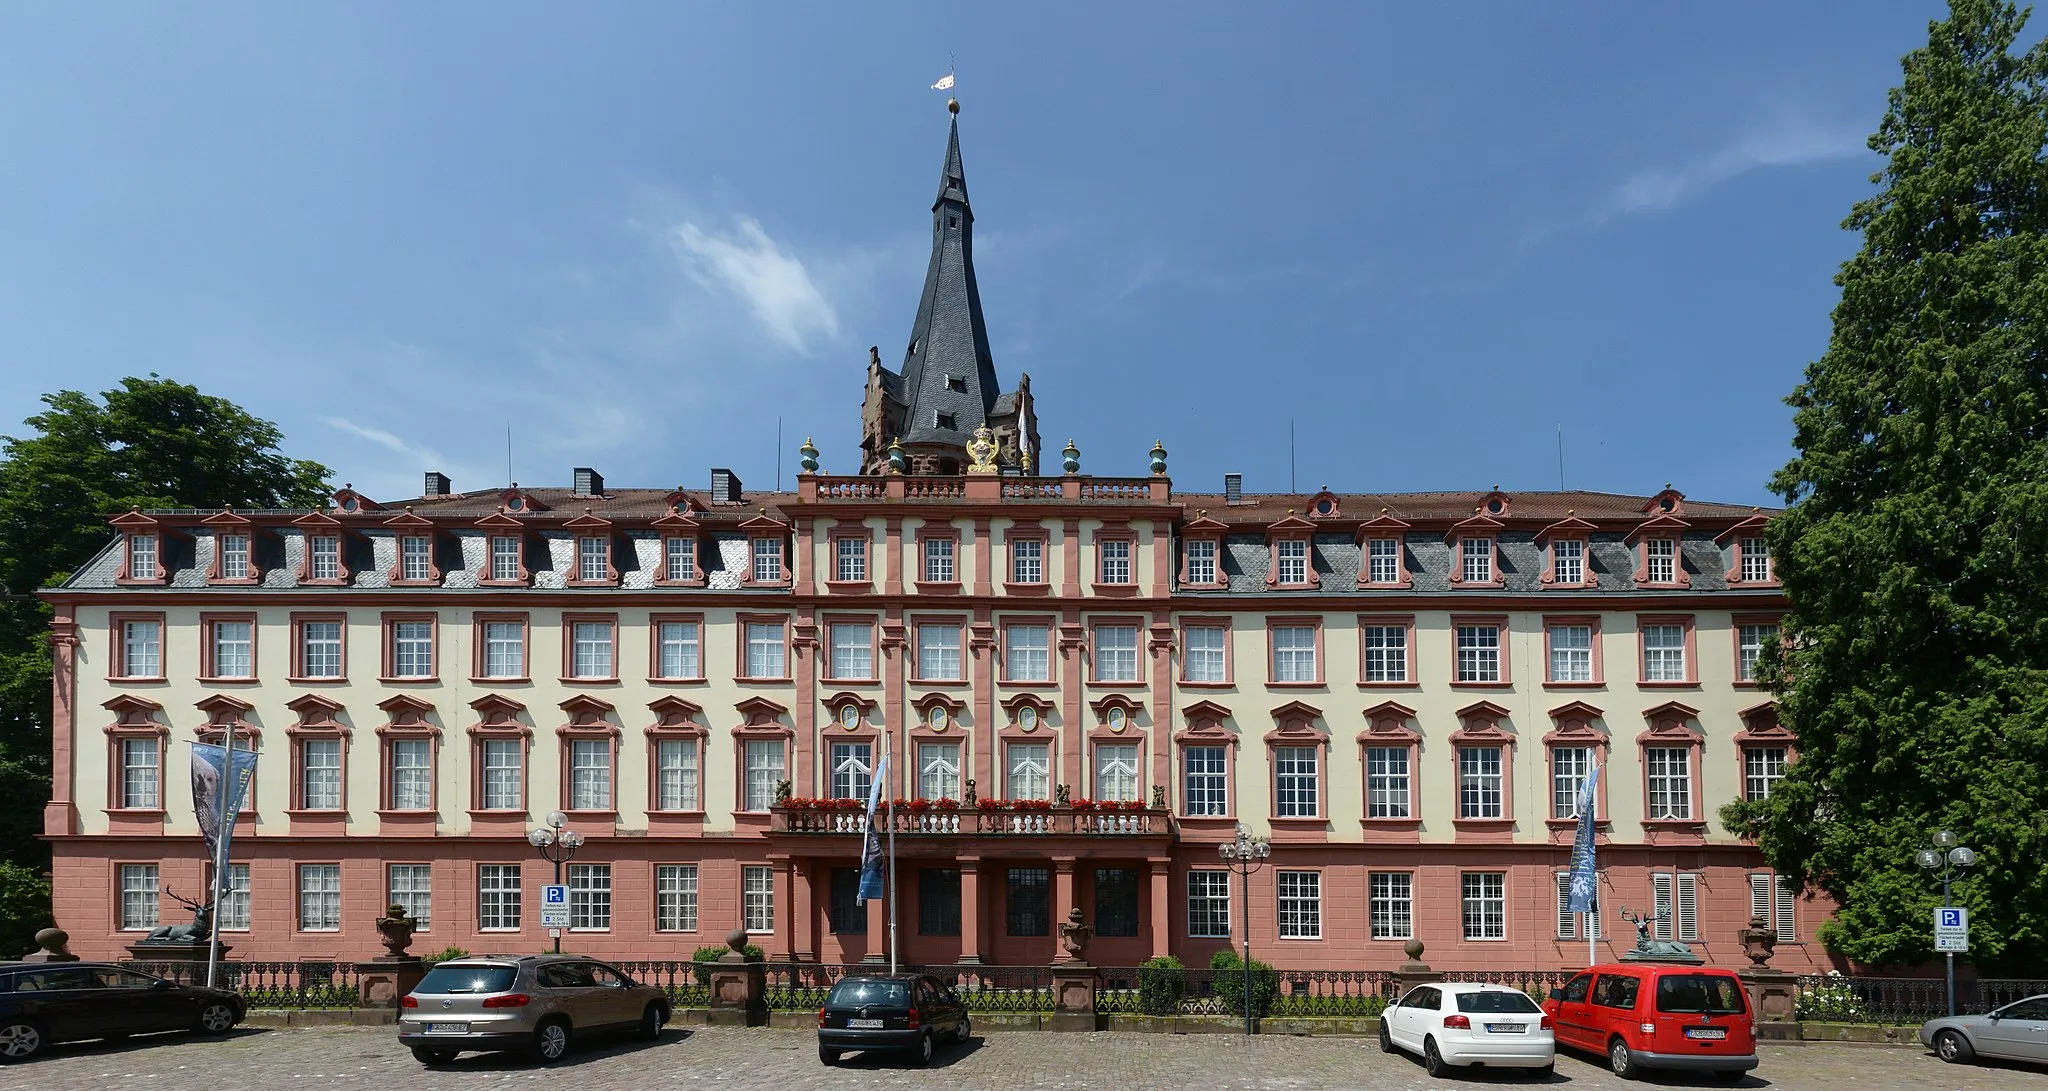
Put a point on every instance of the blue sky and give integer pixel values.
(1429, 235)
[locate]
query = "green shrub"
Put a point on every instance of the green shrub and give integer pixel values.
(1230, 981)
(446, 953)
(1829, 1003)
(705, 956)
(1162, 981)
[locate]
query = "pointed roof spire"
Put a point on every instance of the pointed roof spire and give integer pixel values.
(949, 377)
(953, 179)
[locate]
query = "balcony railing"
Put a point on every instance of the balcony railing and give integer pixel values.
(986, 488)
(973, 821)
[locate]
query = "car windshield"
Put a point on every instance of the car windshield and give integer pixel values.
(855, 993)
(1497, 1002)
(1707, 993)
(467, 979)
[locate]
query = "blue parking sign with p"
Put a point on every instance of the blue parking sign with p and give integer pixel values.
(1951, 918)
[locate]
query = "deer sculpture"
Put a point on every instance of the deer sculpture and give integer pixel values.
(197, 931)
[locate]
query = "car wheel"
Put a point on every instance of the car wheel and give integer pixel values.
(429, 1056)
(215, 1018)
(965, 1031)
(551, 1041)
(1620, 1061)
(1432, 1061)
(828, 1057)
(20, 1040)
(651, 1022)
(1949, 1045)
(922, 1053)
(1386, 1039)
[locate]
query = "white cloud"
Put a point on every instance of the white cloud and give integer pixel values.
(379, 437)
(1785, 142)
(752, 267)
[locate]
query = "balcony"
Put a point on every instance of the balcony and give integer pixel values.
(829, 818)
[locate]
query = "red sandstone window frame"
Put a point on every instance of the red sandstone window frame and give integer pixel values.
(676, 720)
(925, 535)
(1479, 728)
(1761, 728)
(1405, 622)
(497, 722)
(1216, 622)
(209, 623)
(1294, 621)
(318, 527)
(1572, 728)
(1687, 622)
(1204, 720)
(1051, 624)
(850, 530)
(758, 530)
(316, 723)
(1101, 585)
(1096, 624)
(874, 627)
(1293, 528)
(1551, 622)
(224, 525)
(1569, 529)
(1388, 728)
(1736, 622)
(407, 525)
(1203, 529)
(388, 626)
(406, 719)
(917, 625)
(1027, 532)
(740, 623)
(587, 528)
(1674, 726)
(654, 675)
(1665, 526)
(117, 658)
(1480, 527)
(1384, 527)
(569, 676)
(133, 525)
(135, 719)
(1294, 727)
(1736, 540)
(763, 723)
(479, 646)
(494, 527)
(674, 525)
(1101, 733)
(1499, 622)
(299, 621)
(588, 722)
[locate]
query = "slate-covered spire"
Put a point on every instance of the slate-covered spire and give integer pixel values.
(949, 378)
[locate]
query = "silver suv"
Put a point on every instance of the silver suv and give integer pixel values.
(538, 1004)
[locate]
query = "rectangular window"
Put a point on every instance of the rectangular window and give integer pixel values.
(1762, 768)
(142, 646)
(1030, 771)
(1485, 904)
(1479, 782)
(1115, 555)
(139, 897)
(1749, 644)
(590, 897)
(679, 648)
(938, 901)
(320, 774)
(412, 774)
(1027, 903)
(675, 898)
(938, 653)
(1116, 901)
(767, 558)
(850, 560)
(1206, 777)
(1384, 558)
(853, 767)
(1772, 898)
(1386, 782)
(590, 774)
(592, 654)
(498, 897)
(1756, 560)
(1202, 653)
(853, 649)
(504, 649)
(1295, 782)
(1386, 653)
(844, 913)
(1116, 653)
(938, 560)
(320, 649)
(234, 556)
(502, 775)
(1664, 653)
(319, 897)
(764, 771)
(1208, 904)
(1202, 561)
(142, 556)
(1477, 557)
(234, 649)
(1027, 561)
(234, 905)
(1027, 655)
(504, 557)
(415, 557)
(1301, 905)
(412, 886)
(1571, 653)
(412, 649)
(1677, 913)
(140, 762)
(1116, 773)
(765, 652)
(679, 558)
(1568, 561)
(593, 558)
(675, 774)
(1568, 921)
(1293, 562)
(324, 557)
(1568, 768)
(1670, 773)
(1391, 908)
(1660, 559)
(1294, 653)
(938, 770)
(1478, 653)
(757, 899)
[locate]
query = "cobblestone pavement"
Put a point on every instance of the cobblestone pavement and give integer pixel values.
(786, 1060)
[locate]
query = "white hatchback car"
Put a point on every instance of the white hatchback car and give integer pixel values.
(1458, 1024)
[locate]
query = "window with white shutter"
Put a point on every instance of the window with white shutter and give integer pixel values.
(1568, 921)
(1771, 898)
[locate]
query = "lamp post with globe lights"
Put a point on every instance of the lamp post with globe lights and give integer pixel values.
(557, 843)
(1245, 854)
(1947, 857)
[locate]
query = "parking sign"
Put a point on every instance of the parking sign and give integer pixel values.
(1952, 930)
(554, 906)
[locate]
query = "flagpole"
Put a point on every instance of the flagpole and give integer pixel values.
(888, 745)
(220, 856)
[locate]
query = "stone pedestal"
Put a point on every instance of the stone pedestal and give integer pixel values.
(51, 947)
(738, 993)
(1414, 971)
(383, 981)
(1073, 996)
(175, 951)
(1771, 993)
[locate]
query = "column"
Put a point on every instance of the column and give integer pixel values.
(803, 916)
(1062, 900)
(1162, 907)
(970, 910)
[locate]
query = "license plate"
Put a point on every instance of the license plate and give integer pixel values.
(1507, 1028)
(447, 1028)
(1716, 1033)
(864, 1024)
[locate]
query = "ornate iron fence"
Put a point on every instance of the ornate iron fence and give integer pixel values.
(1997, 992)
(1537, 983)
(1153, 990)
(1845, 998)
(683, 982)
(312, 984)
(803, 986)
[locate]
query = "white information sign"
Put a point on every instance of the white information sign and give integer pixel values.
(554, 906)
(1952, 930)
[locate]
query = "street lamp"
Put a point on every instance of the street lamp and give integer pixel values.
(556, 844)
(1244, 855)
(1947, 857)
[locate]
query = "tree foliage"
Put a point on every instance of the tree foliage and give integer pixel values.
(151, 443)
(1915, 548)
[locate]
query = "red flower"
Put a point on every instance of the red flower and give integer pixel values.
(991, 803)
(949, 804)
(918, 806)
(1085, 804)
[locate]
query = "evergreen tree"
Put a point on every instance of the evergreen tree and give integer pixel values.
(1915, 548)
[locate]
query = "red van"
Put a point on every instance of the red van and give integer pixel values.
(1645, 1015)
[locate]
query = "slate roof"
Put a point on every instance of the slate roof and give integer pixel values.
(949, 339)
(1262, 508)
(1247, 559)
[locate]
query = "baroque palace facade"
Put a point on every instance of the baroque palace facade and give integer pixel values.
(1086, 682)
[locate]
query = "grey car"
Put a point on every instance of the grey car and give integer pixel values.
(2015, 1032)
(540, 1005)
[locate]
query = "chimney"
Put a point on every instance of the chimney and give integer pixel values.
(589, 482)
(725, 486)
(1233, 488)
(437, 484)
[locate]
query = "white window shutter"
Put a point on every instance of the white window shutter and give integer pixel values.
(1688, 907)
(1660, 909)
(1787, 933)
(1567, 921)
(1760, 896)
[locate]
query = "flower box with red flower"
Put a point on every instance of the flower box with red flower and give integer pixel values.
(1032, 804)
(1087, 805)
(917, 806)
(947, 803)
(990, 803)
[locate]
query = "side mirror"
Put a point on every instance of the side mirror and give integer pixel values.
(1557, 994)
(1994, 1016)
(160, 983)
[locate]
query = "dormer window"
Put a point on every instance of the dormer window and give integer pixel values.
(1201, 556)
(1756, 560)
(1476, 559)
(947, 422)
(234, 556)
(1292, 557)
(323, 557)
(593, 558)
(767, 554)
(1290, 553)
(1383, 558)
(956, 383)
(505, 557)
(142, 556)
(415, 557)
(679, 559)
(1568, 560)
(1660, 559)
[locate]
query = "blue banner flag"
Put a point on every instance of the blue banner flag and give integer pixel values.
(871, 874)
(209, 779)
(1584, 884)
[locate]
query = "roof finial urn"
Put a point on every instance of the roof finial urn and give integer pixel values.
(809, 459)
(1070, 458)
(1158, 458)
(896, 458)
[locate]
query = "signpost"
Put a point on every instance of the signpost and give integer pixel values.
(554, 906)
(1952, 931)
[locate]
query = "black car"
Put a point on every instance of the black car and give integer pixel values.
(45, 1002)
(911, 1012)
